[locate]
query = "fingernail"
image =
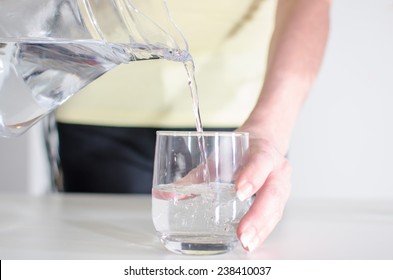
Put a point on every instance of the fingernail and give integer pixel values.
(247, 238)
(253, 244)
(244, 192)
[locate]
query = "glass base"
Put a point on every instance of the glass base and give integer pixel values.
(198, 244)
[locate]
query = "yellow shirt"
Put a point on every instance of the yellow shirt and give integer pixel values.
(155, 93)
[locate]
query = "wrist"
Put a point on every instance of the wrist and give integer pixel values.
(267, 133)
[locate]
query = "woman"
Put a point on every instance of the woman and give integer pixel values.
(107, 133)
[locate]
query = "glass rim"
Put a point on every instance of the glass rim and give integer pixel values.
(201, 133)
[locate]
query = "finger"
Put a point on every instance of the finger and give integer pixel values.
(172, 194)
(203, 173)
(196, 175)
(254, 174)
(267, 209)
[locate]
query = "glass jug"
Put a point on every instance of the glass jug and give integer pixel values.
(50, 49)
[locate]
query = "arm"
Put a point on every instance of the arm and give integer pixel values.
(296, 52)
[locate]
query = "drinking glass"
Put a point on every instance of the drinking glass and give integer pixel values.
(195, 209)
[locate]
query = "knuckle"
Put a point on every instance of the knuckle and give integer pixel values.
(274, 190)
(286, 167)
(279, 192)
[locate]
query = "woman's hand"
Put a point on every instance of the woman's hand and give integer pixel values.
(267, 174)
(296, 51)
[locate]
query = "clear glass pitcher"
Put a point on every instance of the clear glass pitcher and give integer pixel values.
(50, 49)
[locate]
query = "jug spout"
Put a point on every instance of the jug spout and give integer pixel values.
(62, 46)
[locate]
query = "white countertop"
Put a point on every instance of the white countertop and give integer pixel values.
(82, 226)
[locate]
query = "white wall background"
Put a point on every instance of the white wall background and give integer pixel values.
(342, 146)
(23, 163)
(343, 142)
